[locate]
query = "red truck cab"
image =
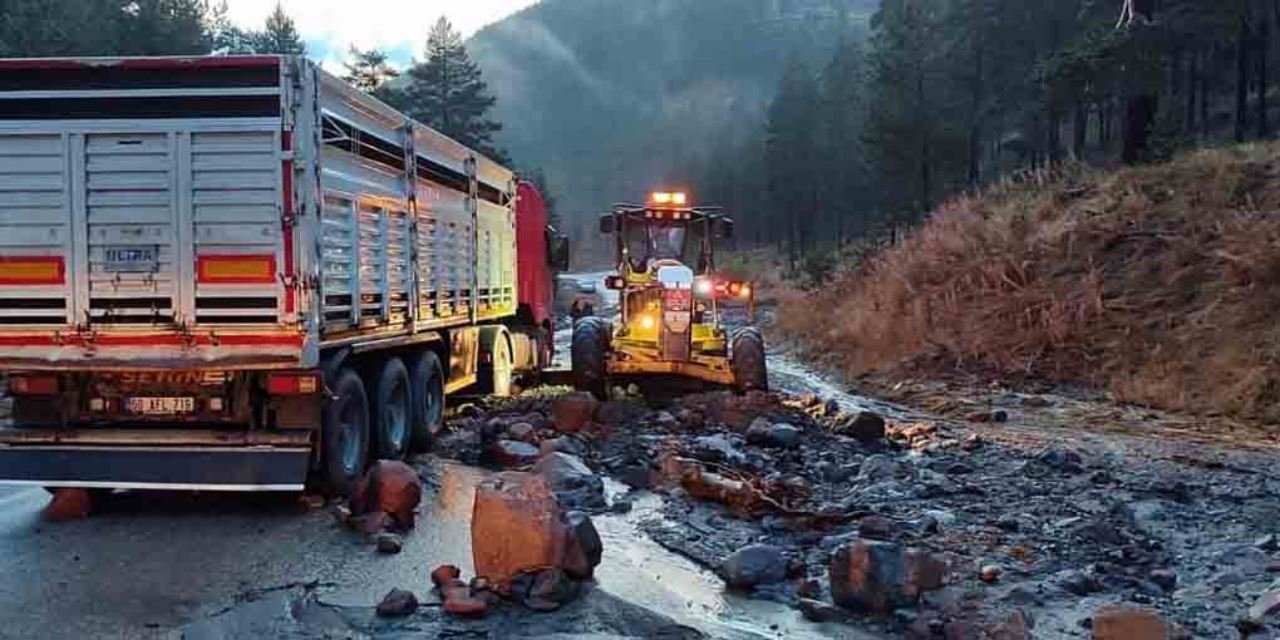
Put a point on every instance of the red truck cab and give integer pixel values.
(541, 251)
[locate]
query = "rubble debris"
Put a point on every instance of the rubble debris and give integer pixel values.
(398, 603)
(1123, 622)
(754, 565)
(389, 543)
(68, 504)
(389, 487)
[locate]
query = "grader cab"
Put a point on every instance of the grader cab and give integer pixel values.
(670, 320)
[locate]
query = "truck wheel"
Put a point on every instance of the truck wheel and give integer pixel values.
(392, 412)
(426, 381)
(588, 351)
(747, 361)
(496, 376)
(345, 434)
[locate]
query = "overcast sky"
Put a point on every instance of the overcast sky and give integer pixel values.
(398, 27)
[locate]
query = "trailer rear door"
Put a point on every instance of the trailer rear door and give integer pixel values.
(152, 199)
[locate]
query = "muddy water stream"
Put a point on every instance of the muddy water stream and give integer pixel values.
(635, 568)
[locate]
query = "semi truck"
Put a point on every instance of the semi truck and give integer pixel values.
(240, 273)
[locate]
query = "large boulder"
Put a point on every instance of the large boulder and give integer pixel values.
(574, 484)
(518, 526)
(391, 487)
(573, 412)
(754, 565)
(1123, 622)
(618, 412)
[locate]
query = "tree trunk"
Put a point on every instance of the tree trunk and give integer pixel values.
(1054, 137)
(1140, 110)
(1263, 50)
(1206, 92)
(975, 126)
(1189, 125)
(1079, 130)
(1242, 78)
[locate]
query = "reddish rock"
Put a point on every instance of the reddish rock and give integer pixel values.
(397, 604)
(391, 487)
(514, 453)
(444, 574)
(573, 412)
(68, 504)
(515, 527)
(466, 606)
(1121, 622)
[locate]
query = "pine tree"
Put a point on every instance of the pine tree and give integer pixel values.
(791, 158)
(368, 70)
(446, 92)
(280, 35)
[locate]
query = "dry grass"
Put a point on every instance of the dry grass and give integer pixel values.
(1161, 284)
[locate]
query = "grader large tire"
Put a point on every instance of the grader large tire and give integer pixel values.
(747, 360)
(589, 351)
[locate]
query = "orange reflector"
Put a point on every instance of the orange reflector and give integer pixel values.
(230, 269)
(29, 270)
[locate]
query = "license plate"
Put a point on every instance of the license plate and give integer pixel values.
(161, 406)
(133, 259)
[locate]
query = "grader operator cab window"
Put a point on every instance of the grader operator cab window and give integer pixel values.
(649, 240)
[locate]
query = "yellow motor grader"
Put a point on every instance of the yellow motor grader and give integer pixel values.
(671, 303)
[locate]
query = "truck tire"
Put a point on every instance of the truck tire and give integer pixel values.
(344, 434)
(747, 361)
(426, 381)
(495, 378)
(392, 412)
(588, 351)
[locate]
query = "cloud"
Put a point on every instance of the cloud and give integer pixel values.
(398, 27)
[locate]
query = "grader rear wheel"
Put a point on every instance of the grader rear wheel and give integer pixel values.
(747, 361)
(589, 351)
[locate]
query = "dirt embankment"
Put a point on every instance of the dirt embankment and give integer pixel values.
(1159, 284)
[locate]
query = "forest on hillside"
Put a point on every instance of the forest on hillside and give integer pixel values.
(946, 96)
(615, 97)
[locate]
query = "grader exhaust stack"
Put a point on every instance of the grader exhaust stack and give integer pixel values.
(672, 303)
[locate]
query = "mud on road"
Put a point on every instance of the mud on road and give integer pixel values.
(1035, 510)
